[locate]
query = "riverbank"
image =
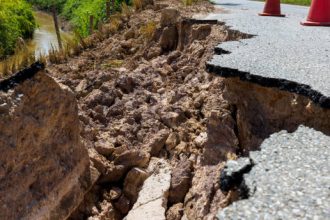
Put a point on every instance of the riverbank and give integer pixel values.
(17, 23)
(43, 41)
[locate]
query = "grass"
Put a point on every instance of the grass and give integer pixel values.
(148, 30)
(297, 2)
(16, 22)
(188, 2)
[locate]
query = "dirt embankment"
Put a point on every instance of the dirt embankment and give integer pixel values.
(44, 168)
(154, 120)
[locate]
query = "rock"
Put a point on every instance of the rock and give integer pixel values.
(125, 83)
(115, 193)
(41, 149)
(172, 141)
(157, 142)
(181, 147)
(181, 181)
(81, 88)
(173, 56)
(221, 138)
(175, 212)
(98, 97)
(122, 205)
(172, 119)
(107, 212)
(169, 16)
(113, 174)
(200, 32)
(100, 162)
(197, 49)
(204, 198)
(109, 171)
(154, 52)
(104, 148)
(128, 44)
(129, 34)
(152, 200)
(133, 158)
(133, 183)
(200, 100)
(201, 140)
(169, 38)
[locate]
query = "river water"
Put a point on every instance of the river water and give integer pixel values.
(44, 37)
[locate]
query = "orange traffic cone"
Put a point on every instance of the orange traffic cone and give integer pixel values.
(319, 14)
(272, 8)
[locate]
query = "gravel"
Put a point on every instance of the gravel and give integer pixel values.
(290, 179)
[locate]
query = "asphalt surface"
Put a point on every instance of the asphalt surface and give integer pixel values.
(287, 181)
(281, 47)
(289, 178)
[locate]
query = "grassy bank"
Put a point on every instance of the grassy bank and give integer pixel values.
(297, 2)
(78, 11)
(16, 21)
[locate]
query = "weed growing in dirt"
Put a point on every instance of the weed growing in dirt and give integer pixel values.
(113, 64)
(137, 4)
(188, 2)
(126, 10)
(148, 30)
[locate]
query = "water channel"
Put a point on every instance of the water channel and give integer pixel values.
(44, 37)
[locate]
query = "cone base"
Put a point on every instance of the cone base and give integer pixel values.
(268, 14)
(313, 23)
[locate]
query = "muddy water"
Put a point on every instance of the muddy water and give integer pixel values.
(44, 38)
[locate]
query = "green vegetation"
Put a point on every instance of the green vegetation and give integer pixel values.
(16, 21)
(48, 4)
(78, 11)
(297, 2)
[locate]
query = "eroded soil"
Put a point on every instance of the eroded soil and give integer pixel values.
(144, 96)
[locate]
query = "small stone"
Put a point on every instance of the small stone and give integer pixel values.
(104, 148)
(132, 158)
(201, 32)
(151, 203)
(126, 84)
(115, 193)
(122, 205)
(175, 212)
(180, 181)
(201, 139)
(157, 142)
(172, 141)
(81, 87)
(182, 147)
(133, 183)
(169, 16)
(169, 38)
(129, 34)
(172, 119)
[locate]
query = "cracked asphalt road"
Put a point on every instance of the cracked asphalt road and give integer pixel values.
(281, 48)
(290, 179)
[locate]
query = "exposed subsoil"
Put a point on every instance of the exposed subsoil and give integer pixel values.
(143, 96)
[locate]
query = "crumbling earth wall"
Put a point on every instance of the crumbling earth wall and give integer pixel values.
(44, 168)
